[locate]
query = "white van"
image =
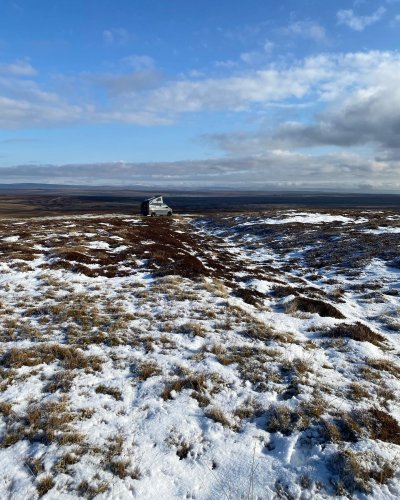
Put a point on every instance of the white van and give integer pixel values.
(155, 206)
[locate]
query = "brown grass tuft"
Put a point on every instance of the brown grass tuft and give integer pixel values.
(250, 296)
(5, 409)
(358, 332)
(147, 369)
(195, 381)
(110, 391)
(307, 305)
(354, 471)
(216, 414)
(379, 425)
(193, 328)
(283, 419)
(44, 484)
(356, 391)
(384, 365)
(91, 490)
(70, 357)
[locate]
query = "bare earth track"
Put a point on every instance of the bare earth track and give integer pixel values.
(218, 356)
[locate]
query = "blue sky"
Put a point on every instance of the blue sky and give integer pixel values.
(195, 93)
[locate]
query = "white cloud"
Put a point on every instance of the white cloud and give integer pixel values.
(277, 168)
(228, 64)
(362, 108)
(340, 81)
(251, 57)
(358, 101)
(258, 57)
(318, 78)
(132, 83)
(137, 62)
(359, 23)
(115, 36)
(24, 103)
(307, 29)
(18, 68)
(268, 46)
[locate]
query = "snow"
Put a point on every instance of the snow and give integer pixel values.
(222, 461)
(11, 239)
(120, 248)
(306, 218)
(384, 230)
(98, 245)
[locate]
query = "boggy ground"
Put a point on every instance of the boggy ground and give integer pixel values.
(226, 356)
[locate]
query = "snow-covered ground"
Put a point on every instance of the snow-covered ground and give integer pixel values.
(301, 217)
(246, 356)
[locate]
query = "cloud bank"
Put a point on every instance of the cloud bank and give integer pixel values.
(359, 23)
(141, 95)
(277, 168)
(350, 137)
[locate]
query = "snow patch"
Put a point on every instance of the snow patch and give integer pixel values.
(11, 239)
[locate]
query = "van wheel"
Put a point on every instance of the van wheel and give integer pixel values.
(152, 214)
(169, 214)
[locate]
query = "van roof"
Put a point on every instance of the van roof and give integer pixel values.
(154, 197)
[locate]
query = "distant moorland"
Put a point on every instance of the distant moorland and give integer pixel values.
(31, 199)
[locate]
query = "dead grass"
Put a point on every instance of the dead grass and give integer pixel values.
(217, 414)
(281, 291)
(385, 394)
(383, 365)
(60, 381)
(248, 409)
(87, 320)
(314, 408)
(67, 459)
(183, 450)
(202, 399)
(357, 392)
(91, 490)
(195, 381)
(284, 420)
(357, 331)
(253, 365)
(147, 369)
(113, 461)
(299, 366)
(17, 329)
(354, 471)
(115, 446)
(258, 330)
(359, 424)
(313, 306)
(218, 349)
(110, 391)
(216, 287)
(44, 484)
(341, 428)
(120, 468)
(34, 465)
(193, 328)
(70, 357)
(378, 425)
(250, 296)
(48, 422)
(5, 409)
(261, 376)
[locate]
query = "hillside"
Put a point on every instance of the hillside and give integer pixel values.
(227, 356)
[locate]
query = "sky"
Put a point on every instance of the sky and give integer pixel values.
(250, 95)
